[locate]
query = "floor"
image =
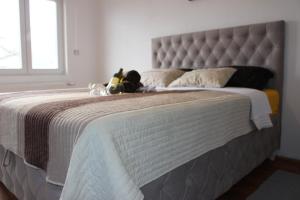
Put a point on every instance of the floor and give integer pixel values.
(5, 194)
(251, 182)
(241, 190)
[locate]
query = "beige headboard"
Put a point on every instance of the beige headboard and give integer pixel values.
(250, 45)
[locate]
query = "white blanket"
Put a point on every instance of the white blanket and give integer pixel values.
(260, 106)
(119, 153)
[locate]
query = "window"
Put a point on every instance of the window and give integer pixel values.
(10, 40)
(31, 36)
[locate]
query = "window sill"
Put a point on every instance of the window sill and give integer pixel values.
(25, 78)
(34, 82)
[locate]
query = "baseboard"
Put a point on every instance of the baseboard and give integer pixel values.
(290, 160)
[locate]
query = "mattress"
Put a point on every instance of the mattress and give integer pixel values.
(203, 178)
(212, 174)
(158, 133)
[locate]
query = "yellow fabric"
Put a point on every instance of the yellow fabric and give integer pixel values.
(273, 96)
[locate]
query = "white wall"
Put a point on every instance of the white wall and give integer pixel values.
(81, 33)
(127, 26)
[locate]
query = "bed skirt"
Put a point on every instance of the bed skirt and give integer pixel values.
(206, 177)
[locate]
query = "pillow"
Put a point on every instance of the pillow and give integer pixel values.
(250, 77)
(186, 69)
(160, 77)
(207, 78)
(274, 99)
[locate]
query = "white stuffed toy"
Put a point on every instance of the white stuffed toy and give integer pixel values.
(97, 89)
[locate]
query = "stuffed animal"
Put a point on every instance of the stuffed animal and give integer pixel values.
(97, 89)
(130, 82)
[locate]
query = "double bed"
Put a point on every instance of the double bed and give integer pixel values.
(153, 146)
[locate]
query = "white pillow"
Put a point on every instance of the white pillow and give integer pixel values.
(160, 77)
(207, 78)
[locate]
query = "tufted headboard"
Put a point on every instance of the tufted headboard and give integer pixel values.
(250, 45)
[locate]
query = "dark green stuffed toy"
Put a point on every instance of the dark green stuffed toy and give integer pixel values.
(129, 84)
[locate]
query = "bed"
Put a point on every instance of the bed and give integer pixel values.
(200, 177)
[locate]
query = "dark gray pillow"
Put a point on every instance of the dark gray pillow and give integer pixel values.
(250, 77)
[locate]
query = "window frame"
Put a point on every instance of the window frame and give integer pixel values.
(26, 43)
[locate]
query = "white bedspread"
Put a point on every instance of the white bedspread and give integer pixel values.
(118, 146)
